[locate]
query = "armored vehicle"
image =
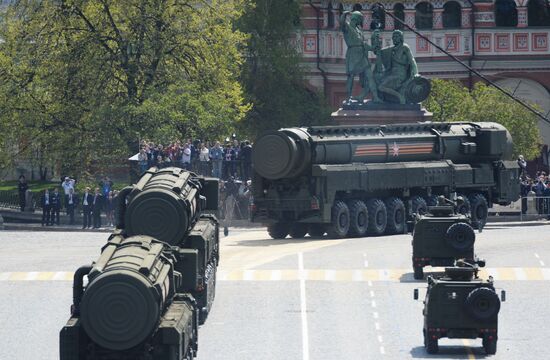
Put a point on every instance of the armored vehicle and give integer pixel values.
(370, 179)
(154, 282)
(441, 237)
(460, 305)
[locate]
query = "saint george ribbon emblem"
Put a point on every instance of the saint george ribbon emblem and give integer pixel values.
(395, 149)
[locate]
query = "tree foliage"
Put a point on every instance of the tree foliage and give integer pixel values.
(83, 80)
(451, 101)
(273, 77)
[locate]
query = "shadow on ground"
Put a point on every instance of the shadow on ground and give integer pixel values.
(450, 352)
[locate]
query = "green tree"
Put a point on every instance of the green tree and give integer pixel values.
(273, 78)
(451, 101)
(83, 80)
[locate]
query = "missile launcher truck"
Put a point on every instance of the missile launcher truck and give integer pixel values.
(154, 282)
(371, 179)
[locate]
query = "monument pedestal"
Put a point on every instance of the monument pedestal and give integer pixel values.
(371, 113)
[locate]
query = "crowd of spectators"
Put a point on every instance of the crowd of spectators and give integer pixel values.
(233, 159)
(91, 204)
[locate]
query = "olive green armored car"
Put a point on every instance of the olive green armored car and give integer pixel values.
(441, 237)
(154, 282)
(357, 180)
(460, 305)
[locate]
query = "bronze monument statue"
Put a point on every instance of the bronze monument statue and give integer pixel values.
(395, 77)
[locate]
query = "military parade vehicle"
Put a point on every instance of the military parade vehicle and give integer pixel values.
(370, 179)
(460, 305)
(155, 279)
(441, 237)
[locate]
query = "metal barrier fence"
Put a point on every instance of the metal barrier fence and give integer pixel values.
(9, 199)
(532, 205)
(239, 169)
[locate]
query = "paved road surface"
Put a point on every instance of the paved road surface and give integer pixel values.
(292, 299)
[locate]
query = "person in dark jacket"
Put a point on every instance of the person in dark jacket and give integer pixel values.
(87, 200)
(71, 201)
(97, 205)
(246, 156)
(22, 186)
(56, 207)
(46, 203)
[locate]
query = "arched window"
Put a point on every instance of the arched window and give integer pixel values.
(399, 12)
(506, 13)
(452, 15)
(538, 13)
(330, 19)
(378, 19)
(340, 9)
(424, 16)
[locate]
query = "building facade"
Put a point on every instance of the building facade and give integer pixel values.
(505, 40)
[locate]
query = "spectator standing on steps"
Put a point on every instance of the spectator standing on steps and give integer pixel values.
(106, 186)
(45, 201)
(246, 156)
(22, 187)
(97, 205)
(71, 200)
(216, 154)
(68, 184)
(56, 207)
(204, 158)
(87, 200)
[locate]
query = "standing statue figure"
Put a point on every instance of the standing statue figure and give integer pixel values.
(357, 61)
(400, 68)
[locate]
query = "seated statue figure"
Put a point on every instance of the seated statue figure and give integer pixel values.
(399, 68)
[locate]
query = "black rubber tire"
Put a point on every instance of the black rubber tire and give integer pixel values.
(418, 205)
(479, 209)
(432, 347)
(464, 207)
(482, 304)
(316, 230)
(395, 210)
(278, 230)
(298, 230)
(460, 236)
(339, 225)
(378, 217)
(490, 346)
(359, 218)
(418, 273)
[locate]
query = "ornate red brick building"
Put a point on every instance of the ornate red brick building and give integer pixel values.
(506, 40)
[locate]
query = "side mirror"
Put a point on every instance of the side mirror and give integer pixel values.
(502, 295)
(415, 294)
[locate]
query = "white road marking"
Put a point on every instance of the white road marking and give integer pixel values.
(60, 275)
(357, 275)
(375, 315)
(369, 283)
(303, 309)
(366, 263)
(520, 274)
(330, 275)
(371, 293)
(248, 275)
(537, 256)
(377, 325)
(541, 263)
(382, 351)
(276, 275)
(380, 338)
(373, 303)
(32, 275)
(5, 276)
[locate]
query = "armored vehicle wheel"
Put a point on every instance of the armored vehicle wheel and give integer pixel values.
(482, 303)
(298, 230)
(278, 230)
(460, 236)
(478, 210)
(395, 209)
(359, 218)
(378, 216)
(464, 207)
(418, 273)
(339, 225)
(490, 345)
(418, 205)
(432, 347)
(316, 230)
